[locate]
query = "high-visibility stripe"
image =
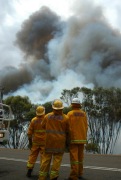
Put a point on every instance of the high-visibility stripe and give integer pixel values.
(76, 162)
(79, 141)
(55, 132)
(43, 173)
(39, 130)
(30, 165)
(54, 173)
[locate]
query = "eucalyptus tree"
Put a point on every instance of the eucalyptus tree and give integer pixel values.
(48, 107)
(18, 129)
(19, 105)
(68, 95)
(103, 108)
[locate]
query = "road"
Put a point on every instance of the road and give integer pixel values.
(96, 167)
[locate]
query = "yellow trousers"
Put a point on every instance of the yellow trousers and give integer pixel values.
(76, 160)
(56, 159)
(35, 151)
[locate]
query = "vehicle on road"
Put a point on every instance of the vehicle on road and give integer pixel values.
(6, 116)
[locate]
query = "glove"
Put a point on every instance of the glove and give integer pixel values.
(67, 142)
(67, 147)
(30, 143)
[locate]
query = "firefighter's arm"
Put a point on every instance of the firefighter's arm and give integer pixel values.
(86, 122)
(30, 134)
(67, 141)
(67, 137)
(30, 143)
(43, 123)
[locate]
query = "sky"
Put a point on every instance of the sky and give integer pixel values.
(47, 46)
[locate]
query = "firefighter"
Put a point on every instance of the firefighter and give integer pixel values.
(78, 126)
(36, 136)
(56, 126)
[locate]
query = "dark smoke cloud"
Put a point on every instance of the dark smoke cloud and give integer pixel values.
(37, 31)
(90, 46)
(12, 78)
(82, 51)
(32, 39)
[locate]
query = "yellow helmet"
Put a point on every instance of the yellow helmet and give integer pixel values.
(40, 111)
(57, 104)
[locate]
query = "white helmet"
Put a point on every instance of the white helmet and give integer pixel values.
(75, 101)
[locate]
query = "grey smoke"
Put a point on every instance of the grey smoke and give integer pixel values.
(37, 31)
(82, 51)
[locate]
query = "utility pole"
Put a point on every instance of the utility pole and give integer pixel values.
(1, 93)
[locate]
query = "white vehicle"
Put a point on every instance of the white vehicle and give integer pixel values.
(5, 117)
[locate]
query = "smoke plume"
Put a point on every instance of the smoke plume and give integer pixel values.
(83, 50)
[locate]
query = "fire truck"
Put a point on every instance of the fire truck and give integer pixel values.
(6, 116)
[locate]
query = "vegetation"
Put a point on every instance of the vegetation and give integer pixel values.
(103, 108)
(68, 95)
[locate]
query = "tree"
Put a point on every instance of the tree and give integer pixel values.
(68, 95)
(103, 111)
(31, 114)
(67, 109)
(48, 107)
(103, 108)
(20, 107)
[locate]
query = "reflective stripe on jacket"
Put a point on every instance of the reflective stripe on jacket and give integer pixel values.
(78, 126)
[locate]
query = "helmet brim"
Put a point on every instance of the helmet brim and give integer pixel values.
(40, 114)
(57, 108)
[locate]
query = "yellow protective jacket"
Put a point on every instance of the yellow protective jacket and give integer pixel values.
(78, 126)
(36, 132)
(56, 126)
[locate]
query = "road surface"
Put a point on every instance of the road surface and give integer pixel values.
(96, 167)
